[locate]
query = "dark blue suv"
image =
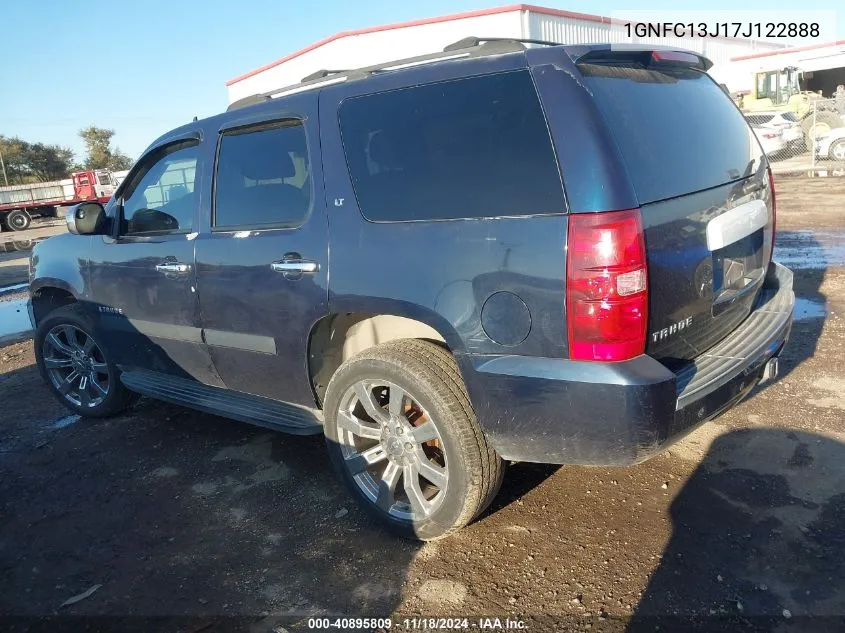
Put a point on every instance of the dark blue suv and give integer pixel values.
(554, 254)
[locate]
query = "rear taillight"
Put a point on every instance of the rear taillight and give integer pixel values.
(606, 286)
(774, 210)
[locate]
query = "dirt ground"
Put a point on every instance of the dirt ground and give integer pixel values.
(204, 524)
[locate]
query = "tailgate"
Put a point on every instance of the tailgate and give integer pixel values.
(707, 257)
(702, 184)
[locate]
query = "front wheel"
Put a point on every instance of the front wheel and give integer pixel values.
(76, 366)
(403, 437)
(18, 220)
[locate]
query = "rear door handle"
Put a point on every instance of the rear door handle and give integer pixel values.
(172, 268)
(295, 265)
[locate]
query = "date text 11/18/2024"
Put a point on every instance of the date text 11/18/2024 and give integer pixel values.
(418, 624)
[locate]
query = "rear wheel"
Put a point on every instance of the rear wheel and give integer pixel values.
(76, 366)
(837, 150)
(18, 220)
(403, 437)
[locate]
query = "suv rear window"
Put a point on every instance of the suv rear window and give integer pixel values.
(677, 130)
(470, 148)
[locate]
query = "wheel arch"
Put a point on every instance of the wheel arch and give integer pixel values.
(341, 335)
(47, 297)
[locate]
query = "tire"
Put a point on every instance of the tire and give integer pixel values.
(825, 122)
(18, 220)
(837, 150)
(103, 396)
(426, 381)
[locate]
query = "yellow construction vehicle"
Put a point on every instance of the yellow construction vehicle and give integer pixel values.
(781, 91)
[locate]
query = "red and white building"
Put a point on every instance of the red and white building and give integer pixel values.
(822, 66)
(379, 44)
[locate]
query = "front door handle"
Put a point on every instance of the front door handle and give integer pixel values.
(173, 268)
(294, 265)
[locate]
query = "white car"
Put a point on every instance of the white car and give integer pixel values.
(786, 122)
(771, 139)
(831, 145)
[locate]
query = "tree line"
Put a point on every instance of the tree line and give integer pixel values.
(26, 162)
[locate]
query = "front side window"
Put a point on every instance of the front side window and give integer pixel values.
(263, 177)
(162, 200)
(470, 148)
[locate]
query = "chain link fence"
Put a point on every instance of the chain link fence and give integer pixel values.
(811, 142)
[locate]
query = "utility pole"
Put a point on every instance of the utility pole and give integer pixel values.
(3, 166)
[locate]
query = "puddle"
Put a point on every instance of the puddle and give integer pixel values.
(14, 288)
(807, 309)
(19, 245)
(810, 249)
(14, 322)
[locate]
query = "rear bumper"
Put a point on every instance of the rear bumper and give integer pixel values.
(571, 412)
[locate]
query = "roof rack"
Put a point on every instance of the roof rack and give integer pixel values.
(321, 74)
(465, 48)
(469, 42)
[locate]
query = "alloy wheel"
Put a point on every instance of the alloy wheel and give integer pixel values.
(393, 449)
(76, 366)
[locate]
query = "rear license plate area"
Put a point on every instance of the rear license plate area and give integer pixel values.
(737, 269)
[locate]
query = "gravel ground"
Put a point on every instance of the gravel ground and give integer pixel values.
(212, 525)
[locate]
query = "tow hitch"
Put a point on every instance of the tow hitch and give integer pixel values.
(770, 371)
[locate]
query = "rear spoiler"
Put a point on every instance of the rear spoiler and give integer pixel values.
(645, 56)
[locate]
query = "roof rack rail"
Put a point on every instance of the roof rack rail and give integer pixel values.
(467, 47)
(248, 101)
(321, 74)
(469, 42)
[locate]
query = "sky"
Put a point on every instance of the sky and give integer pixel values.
(142, 68)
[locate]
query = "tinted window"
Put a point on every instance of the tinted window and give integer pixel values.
(677, 130)
(263, 177)
(460, 149)
(163, 199)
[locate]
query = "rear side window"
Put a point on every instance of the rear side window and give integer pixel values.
(471, 148)
(263, 177)
(677, 130)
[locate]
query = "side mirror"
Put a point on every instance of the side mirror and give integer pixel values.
(86, 218)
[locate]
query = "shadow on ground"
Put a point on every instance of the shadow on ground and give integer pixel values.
(758, 541)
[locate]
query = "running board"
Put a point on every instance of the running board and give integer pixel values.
(272, 414)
